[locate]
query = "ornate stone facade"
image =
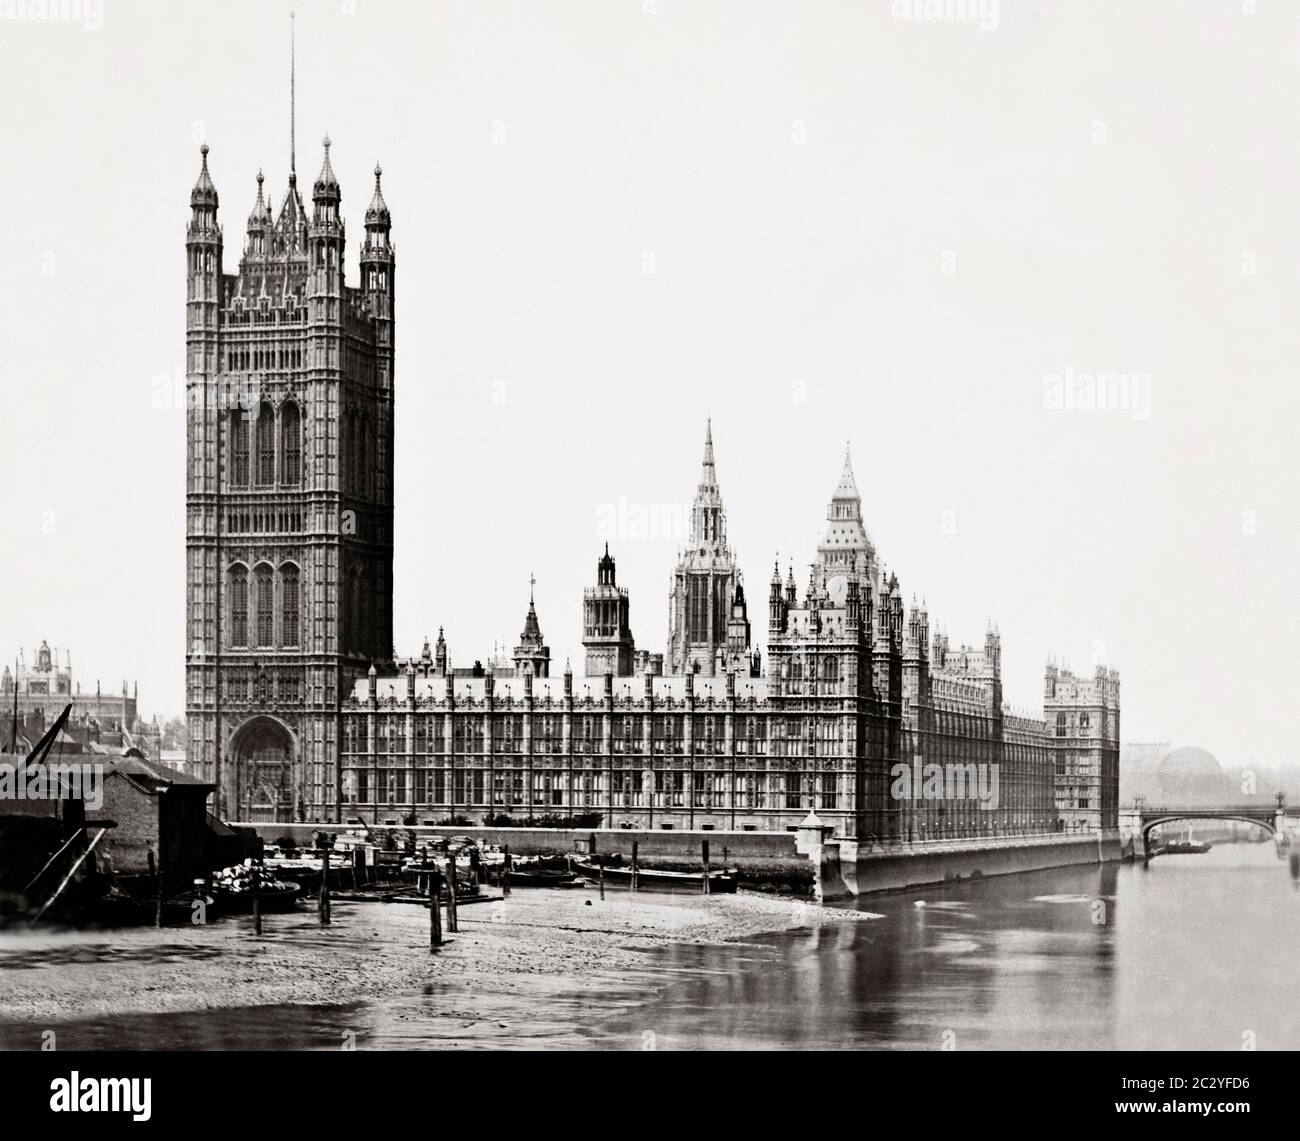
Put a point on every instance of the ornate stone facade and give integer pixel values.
(708, 627)
(289, 534)
(856, 701)
(297, 711)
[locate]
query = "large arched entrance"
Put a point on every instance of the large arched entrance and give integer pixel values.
(263, 751)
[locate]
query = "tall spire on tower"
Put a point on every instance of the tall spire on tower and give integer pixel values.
(708, 523)
(709, 474)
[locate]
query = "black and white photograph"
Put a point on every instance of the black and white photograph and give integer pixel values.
(730, 527)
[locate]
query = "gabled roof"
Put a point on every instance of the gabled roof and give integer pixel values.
(155, 776)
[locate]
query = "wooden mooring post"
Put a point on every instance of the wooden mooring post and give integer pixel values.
(636, 868)
(326, 843)
(505, 870)
(602, 878)
(155, 870)
(434, 880)
(704, 849)
(453, 922)
(257, 898)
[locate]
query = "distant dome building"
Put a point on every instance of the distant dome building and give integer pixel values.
(1190, 775)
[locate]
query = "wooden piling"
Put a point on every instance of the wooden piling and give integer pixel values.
(453, 922)
(324, 903)
(602, 879)
(704, 850)
(155, 870)
(636, 868)
(257, 899)
(435, 919)
(505, 870)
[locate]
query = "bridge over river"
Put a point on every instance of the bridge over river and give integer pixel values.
(1137, 821)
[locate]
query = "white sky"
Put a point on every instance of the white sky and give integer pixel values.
(542, 374)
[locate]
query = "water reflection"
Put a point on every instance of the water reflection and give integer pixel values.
(1189, 952)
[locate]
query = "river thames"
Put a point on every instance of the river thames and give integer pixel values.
(1187, 952)
(1190, 951)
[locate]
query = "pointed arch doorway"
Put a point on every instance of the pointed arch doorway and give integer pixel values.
(264, 753)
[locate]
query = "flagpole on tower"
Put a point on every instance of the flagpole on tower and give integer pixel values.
(293, 166)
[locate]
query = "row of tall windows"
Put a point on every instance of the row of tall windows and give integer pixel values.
(253, 607)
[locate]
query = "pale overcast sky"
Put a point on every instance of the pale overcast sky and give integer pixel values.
(817, 222)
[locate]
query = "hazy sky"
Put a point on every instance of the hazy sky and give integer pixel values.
(818, 222)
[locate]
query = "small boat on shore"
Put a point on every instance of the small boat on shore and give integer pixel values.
(233, 889)
(1184, 848)
(540, 877)
(282, 897)
(654, 879)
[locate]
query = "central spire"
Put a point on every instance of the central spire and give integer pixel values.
(709, 474)
(708, 522)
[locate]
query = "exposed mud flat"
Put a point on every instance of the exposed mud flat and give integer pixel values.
(518, 955)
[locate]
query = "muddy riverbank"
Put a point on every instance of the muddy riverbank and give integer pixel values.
(521, 951)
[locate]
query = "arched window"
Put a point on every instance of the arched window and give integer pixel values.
(239, 448)
(266, 445)
(361, 436)
(290, 444)
(265, 606)
(363, 613)
(238, 606)
(347, 452)
(289, 622)
(352, 623)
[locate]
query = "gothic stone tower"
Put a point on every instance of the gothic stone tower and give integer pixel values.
(835, 675)
(826, 737)
(704, 584)
(289, 504)
(532, 655)
(606, 634)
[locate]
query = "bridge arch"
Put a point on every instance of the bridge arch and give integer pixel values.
(1264, 820)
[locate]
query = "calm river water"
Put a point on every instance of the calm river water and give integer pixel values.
(1188, 952)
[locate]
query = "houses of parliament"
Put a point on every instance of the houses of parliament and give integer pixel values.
(298, 710)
